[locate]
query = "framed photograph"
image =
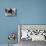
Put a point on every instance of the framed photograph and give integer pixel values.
(32, 32)
(10, 11)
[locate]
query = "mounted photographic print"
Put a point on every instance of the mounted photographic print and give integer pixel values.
(10, 11)
(32, 32)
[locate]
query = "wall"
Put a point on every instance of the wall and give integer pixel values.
(28, 12)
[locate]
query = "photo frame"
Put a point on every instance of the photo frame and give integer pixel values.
(10, 11)
(36, 32)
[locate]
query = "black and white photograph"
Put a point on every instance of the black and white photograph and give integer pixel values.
(10, 11)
